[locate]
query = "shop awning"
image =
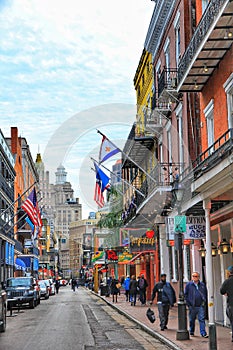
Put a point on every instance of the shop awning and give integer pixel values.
(20, 264)
(130, 262)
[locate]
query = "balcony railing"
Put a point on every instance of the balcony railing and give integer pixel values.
(167, 80)
(150, 123)
(164, 175)
(7, 228)
(213, 155)
(203, 27)
(7, 187)
(18, 246)
(162, 106)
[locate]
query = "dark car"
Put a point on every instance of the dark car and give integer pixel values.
(2, 309)
(21, 290)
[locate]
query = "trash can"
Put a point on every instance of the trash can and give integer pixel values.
(104, 290)
(90, 285)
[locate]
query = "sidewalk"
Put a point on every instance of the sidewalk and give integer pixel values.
(138, 314)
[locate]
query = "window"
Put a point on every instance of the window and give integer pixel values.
(143, 80)
(209, 114)
(204, 5)
(177, 37)
(228, 86)
(180, 134)
(158, 71)
(167, 57)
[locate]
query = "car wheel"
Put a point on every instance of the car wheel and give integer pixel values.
(3, 324)
(32, 304)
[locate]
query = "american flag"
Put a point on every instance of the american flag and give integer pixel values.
(30, 206)
(98, 196)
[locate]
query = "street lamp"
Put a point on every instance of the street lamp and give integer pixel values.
(180, 227)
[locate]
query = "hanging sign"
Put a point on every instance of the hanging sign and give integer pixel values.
(195, 227)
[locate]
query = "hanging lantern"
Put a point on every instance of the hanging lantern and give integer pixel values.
(202, 251)
(224, 246)
(150, 233)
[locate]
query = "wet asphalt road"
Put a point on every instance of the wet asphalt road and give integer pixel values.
(76, 320)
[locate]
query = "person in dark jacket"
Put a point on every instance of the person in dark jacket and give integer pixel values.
(73, 284)
(142, 285)
(227, 289)
(133, 289)
(166, 297)
(113, 289)
(57, 285)
(196, 298)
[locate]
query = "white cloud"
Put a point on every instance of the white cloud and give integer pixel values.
(59, 58)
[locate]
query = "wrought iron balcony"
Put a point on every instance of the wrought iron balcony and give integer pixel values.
(161, 105)
(207, 47)
(7, 228)
(7, 187)
(212, 156)
(18, 246)
(164, 175)
(167, 84)
(150, 123)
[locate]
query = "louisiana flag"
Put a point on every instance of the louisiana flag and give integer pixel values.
(107, 150)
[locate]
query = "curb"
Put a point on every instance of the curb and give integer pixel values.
(154, 334)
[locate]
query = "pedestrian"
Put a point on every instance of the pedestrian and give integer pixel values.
(57, 285)
(227, 290)
(142, 285)
(73, 284)
(133, 289)
(196, 298)
(166, 298)
(126, 285)
(113, 289)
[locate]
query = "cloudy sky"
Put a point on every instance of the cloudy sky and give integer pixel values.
(67, 69)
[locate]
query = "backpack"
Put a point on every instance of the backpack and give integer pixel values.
(141, 283)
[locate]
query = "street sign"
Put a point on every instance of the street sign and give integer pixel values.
(180, 223)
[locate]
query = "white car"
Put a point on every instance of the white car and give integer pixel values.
(52, 285)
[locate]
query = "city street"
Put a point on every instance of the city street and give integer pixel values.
(74, 320)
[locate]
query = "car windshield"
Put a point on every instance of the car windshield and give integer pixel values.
(42, 284)
(19, 282)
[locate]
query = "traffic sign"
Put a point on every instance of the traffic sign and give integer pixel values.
(180, 223)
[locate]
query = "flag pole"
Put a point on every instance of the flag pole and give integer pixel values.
(20, 197)
(137, 165)
(123, 180)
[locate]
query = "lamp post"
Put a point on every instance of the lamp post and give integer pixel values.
(180, 227)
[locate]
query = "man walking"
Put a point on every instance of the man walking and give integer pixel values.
(227, 289)
(196, 298)
(166, 298)
(142, 285)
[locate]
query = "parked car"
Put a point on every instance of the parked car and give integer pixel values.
(21, 290)
(48, 284)
(3, 308)
(44, 290)
(52, 285)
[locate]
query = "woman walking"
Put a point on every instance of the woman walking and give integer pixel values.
(113, 288)
(133, 284)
